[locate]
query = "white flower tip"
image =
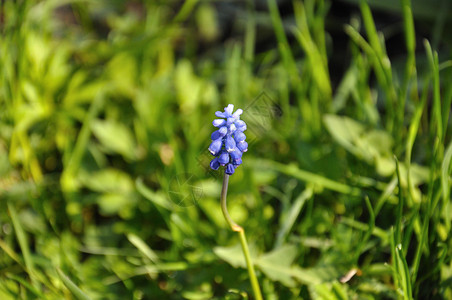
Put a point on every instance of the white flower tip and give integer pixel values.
(237, 113)
(229, 109)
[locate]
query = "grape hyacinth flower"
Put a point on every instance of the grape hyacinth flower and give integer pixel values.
(228, 142)
(228, 145)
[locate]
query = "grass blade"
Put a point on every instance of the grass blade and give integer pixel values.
(294, 212)
(436, 117)
(143, 247)
(283, 44)
(369, 231)
(28, 286)
(75, 290)
(23, 244)
(445, 184)
(294, 171)
(403, 273)
(398, 229)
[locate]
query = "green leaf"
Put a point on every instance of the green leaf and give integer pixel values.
(277, 264)
(308, 276)
(345, 131)
(156, 198)
(368, 145)
(197, 295)
(122, 70)
(191, 90)
(232, 255)
(115, 137)
(81, 90)
(333, 291)
(107, 180)
(112, 203)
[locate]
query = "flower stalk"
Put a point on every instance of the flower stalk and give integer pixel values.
(237, 228)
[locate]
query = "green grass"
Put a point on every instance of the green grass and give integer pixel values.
(106, 107)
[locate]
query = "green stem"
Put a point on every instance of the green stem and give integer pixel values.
(237, 228)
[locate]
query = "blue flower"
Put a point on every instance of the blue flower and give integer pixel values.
(214, 164)
(223, 159)
(242, 146)
(228, 142)
(215, 146)
(230, 169)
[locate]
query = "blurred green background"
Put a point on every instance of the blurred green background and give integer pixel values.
(105, 119)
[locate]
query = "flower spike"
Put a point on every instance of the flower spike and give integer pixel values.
(228, 142)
